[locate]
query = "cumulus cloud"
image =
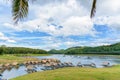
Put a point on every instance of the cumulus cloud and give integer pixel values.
(68, 18)
(108, 14)
(108, 7)
(111, 21)
(4, 38)
(78, 26)
(70, 15)
(60, 11)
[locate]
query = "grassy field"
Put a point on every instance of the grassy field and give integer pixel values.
(22, 55)
(112, 73)
(9, 58)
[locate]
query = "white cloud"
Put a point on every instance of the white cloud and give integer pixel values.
(5, 3)
(108, 13)
(2, 2)
(78, 26)
(111, 21)
(4, 38)
(73, 15)
(108, 7)
(70, 15)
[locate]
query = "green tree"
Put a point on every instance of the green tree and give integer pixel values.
(2, 49)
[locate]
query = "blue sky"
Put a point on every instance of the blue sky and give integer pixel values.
(60, 24)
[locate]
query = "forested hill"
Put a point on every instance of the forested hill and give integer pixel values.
(106, 49)
(20, 50)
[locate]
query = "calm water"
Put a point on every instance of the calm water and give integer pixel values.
(98, 60)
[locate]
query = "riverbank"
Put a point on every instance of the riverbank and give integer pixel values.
(19, 58)
(65, 60)
(111, 73)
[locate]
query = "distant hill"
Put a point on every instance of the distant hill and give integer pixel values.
(113, 49)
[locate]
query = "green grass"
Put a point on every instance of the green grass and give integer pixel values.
(21, 55)
(10, 58)
(112, 73)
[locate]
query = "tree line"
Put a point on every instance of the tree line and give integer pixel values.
(20, 50)
(113, 49)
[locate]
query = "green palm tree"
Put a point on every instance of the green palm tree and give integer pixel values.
(20, 9)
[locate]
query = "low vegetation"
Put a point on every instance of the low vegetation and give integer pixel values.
(112, 73)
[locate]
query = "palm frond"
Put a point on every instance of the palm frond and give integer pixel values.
(19, 9)
(93, 10)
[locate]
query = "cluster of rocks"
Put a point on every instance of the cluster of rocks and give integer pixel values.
(31, 65)
(8, 66)
(47, 64)
(86, 65)
(41, 62)
(106, 64)
(53, 66)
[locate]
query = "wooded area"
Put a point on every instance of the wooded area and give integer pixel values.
(20, 50)
(113, 49)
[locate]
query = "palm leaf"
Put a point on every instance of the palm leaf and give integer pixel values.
(93, 10)
(19, 9)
